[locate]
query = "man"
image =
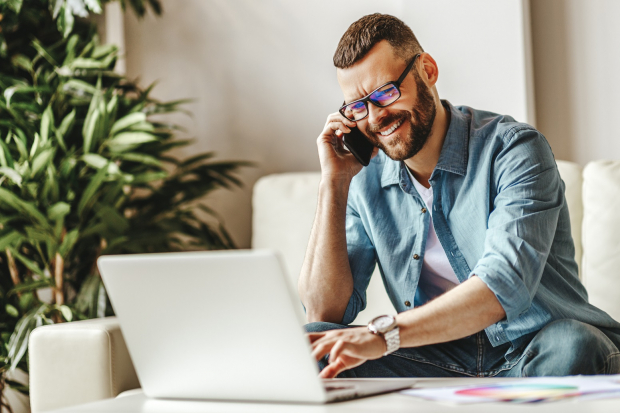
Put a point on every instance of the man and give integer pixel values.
(465, 214)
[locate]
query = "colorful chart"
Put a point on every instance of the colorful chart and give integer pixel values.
(520, 391)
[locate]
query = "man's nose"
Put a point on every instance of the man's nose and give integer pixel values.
(375, 114)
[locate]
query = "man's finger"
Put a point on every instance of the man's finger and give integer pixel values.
(333, 369)
(336, 350)
(339, 126)
(315, 336)
(322, 349)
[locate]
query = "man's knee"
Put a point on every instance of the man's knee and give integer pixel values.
(569, 347)
(320, 326)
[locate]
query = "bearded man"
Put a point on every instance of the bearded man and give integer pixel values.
(463, 211)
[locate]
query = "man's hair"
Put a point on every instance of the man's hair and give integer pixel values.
(362, 35)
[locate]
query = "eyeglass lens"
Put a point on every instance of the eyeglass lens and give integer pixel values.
(381, 97)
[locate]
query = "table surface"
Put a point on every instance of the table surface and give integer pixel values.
(136, 402)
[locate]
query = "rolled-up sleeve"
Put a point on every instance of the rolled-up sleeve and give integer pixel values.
(362, 260)
(527, 200)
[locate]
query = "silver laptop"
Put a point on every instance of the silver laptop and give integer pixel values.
(222, 325)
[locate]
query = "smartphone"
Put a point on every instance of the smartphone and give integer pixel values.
(359, 146)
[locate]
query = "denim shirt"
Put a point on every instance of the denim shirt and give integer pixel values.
(499, 212)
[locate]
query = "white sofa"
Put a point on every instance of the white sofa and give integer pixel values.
(86, 361)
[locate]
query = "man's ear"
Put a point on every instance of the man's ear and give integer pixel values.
(430, 71)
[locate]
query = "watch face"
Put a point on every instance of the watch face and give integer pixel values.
(383, 323)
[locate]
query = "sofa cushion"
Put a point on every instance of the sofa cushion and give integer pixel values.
(601, 235)
(571, 174)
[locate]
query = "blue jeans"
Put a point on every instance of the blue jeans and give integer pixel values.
(561, 348)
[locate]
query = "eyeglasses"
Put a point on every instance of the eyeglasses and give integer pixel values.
(381, 97)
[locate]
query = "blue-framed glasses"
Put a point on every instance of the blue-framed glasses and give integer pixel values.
(382, 96)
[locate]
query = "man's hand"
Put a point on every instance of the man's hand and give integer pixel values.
(347, 348)
(336, 161)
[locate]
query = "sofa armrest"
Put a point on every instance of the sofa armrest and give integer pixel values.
(79, 362)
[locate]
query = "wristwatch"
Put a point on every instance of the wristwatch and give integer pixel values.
(386, 326)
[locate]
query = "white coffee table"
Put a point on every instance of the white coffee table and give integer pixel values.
(136, 402)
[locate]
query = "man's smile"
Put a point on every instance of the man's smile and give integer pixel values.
(391, 129)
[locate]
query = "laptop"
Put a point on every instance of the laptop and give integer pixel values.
(220, 325)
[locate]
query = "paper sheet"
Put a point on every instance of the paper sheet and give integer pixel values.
(531, 390)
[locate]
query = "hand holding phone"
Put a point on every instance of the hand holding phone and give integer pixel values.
(358, 145)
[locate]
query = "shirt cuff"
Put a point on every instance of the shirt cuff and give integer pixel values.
(510, 291)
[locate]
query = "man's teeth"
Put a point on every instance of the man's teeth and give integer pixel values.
(392, 129)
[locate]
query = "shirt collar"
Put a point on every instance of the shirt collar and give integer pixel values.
(454, 152)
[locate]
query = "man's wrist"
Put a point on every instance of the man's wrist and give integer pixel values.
(386, 327)
(335, 183)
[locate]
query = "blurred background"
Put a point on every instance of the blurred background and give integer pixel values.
(263, 82)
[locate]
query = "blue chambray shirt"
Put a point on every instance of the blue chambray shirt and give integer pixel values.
(499, 212)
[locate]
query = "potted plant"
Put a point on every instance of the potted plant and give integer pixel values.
(85, 170)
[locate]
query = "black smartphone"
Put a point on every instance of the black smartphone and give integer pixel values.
(359, 146)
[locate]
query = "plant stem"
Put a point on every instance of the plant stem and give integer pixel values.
(59, 267)
(12, 267)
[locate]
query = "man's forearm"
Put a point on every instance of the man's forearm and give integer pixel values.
(326, 283)
(462, 311)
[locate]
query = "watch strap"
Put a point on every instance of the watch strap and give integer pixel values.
(392, 340)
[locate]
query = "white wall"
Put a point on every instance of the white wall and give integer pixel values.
(263, 79)
(576, 46)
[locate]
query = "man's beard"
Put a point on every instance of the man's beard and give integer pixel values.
(420, 120)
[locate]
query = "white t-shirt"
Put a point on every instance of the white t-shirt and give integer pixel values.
(437, 275)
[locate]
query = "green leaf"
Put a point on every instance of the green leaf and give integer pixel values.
(22, 61)
(104, 50)
(112, 107)
(9, 239)
(65, 128)
(10, 199)
(140, 158)
(65, 21)
(129, 140)
(41, 160)
(71, 43)
(5, 155)
(28, 263)
(92, 117)
(98, 162)
(18, 343)
(12, 311)
(66, 167)
(149, 177)
(44, 52)
(90, 191)
(35, 145)
(12, 174)
(47, 121)
(127, 121)
(66, 313)
(113, 219)
(16, 5)
(94, 160)
(32, 285)
(58, 211)
(21, 147)
(89, 129)
(67, 123)
(79, 87)
(68, 243)
(57, 7)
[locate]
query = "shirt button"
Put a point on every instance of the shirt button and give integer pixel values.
(407, 303)
(416, 257)
(424, 210)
